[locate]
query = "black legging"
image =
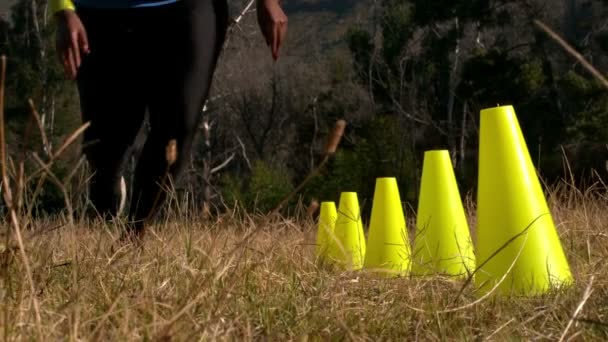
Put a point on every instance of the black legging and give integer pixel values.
(159, 59)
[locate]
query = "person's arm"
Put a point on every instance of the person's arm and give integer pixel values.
(71, 38)
(273, 23)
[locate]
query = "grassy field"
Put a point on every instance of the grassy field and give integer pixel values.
(248, 277)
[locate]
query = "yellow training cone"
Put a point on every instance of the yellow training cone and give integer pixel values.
(388, 246)
(325, 233)
(516, 236)
(349, 250)
(443, 243)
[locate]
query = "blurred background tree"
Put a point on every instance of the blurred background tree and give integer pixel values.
(407, 75)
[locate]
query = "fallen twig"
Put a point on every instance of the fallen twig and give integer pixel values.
(572, 52)
(579, 308)
(330, 149)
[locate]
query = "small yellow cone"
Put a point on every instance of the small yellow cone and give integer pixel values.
(443, 242)
(349, 249)
(388, 245)
(325, 233)
(515, 229)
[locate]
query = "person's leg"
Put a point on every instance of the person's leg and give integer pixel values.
(187, 53)
(111, 99)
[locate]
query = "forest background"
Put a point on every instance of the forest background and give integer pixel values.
(408, 76)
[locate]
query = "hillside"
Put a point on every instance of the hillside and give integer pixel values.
(323, 23)
(299, 8)
(5, 5)
(310, 21)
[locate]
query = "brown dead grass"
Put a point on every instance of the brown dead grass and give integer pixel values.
(246, 277)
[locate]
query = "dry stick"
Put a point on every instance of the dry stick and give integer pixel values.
(8, 199)
(312, 208)
(212, 275)
(482, 298)
(70, 140)
(230, 254)
(330, 150)
(67, 143)
(5, 181)
(5, 185)
(501, 248)
(36, 116)
(234, 23)
(489, 337)
(572, 52)
(500, 281)
(243, 12)
(104, 317)
(59, 185)
(191, 303)
(579, 308)
(20, 185)
(21, 163)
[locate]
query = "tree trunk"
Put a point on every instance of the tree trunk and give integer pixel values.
(453, 82)
(463, 140)
(40, 63)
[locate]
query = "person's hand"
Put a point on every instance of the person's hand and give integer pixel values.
(273, 23)
(71, 41)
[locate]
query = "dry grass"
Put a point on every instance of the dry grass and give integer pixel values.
(253, 278)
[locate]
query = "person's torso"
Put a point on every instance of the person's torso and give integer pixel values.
(111, 4)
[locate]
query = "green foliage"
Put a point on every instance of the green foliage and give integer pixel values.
(397, 28)
(361, 46)
(518, 81)
(531, 76)
(232, 192)
(380, 151)
(260, 192)
(267, 186)
(488, 91)
(590, 109)
(575, 84)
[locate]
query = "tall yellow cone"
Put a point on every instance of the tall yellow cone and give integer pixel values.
(325, 233)
(515, 229)
(443, 242)
(388, 245)
(349, 250)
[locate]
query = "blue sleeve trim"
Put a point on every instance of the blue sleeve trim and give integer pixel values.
(155, 3)
(122, 4)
